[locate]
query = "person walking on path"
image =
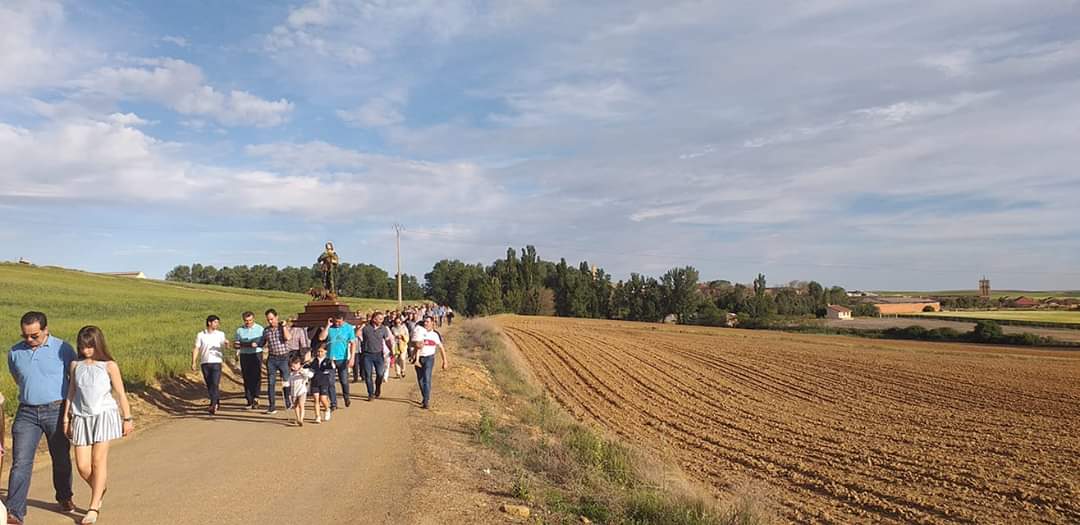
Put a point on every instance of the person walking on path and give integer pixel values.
(249, 353)
(401, 344)
(299, 378)
(376, 338)
(39, 365)
(322, 384)
(92, 417)
(340, 340)
(208, 353)
(275, 339)
(298, 343)
(427, 340)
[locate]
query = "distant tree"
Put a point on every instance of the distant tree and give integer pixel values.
(180, 273)
(866, 310)
(679, 289)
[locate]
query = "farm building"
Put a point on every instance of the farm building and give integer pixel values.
(834, 311)
(133, 275)
(1024, 302)
(904, 305)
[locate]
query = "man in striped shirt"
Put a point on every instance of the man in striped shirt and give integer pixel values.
(275, 340)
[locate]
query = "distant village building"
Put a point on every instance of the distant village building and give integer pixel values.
(860, 293)
(834, 311)
(984, 288)
(23, 261)
(904, 305)
(1024, 302)
(133, 275)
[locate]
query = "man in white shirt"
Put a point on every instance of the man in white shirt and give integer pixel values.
(426, 340)
(209, 345)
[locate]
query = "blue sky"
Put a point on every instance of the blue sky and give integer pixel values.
(871, 144)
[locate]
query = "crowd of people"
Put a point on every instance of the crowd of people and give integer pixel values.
(319, 361)
(74, 396)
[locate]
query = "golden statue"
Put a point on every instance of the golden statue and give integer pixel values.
(328, 263)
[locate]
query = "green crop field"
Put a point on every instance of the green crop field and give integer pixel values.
(150, 325)
(1034, 316)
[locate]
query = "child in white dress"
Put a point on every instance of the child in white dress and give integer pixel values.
(299, 377)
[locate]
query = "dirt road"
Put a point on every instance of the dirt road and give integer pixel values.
(251, 468)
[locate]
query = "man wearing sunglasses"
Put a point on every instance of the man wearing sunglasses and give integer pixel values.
(39, 364)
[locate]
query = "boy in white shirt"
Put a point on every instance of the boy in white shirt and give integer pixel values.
(207, 352)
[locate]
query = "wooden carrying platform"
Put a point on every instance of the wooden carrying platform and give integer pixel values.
(316, 313)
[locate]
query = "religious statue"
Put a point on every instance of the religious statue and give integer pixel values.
(328, 263)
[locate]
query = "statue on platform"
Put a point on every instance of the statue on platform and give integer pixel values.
(328, 263)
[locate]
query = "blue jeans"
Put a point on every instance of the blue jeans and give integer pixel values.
(211, 373)
(343, 378)
(423, 377)
(279, 365)
(31, 422)
(373, 364)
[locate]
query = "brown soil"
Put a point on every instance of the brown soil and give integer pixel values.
(839, 429)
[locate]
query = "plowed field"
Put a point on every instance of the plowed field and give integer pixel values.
(838, 430)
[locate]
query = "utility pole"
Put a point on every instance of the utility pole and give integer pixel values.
(397, 242)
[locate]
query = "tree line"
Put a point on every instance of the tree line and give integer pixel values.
(353, 280)
(526, 284)
(523, 283)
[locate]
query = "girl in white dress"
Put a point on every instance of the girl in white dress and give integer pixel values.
(92, 416)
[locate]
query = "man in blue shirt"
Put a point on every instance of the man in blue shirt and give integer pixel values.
(39, 365)
(249, 351)
(340, 340)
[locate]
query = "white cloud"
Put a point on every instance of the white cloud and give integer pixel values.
(563, 101)
(127, 119)
(178, 41)
(909, 110)
(181, 86)
(35, 47)
(377, 112)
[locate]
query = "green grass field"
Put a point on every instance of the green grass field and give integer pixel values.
(1034, 294)
(150, 325)
(1034, 316)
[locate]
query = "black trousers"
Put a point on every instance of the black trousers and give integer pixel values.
(251, 370)
(211, 373)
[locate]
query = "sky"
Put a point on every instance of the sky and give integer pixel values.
(870, 144)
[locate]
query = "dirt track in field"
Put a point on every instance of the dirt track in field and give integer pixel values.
(838, 429)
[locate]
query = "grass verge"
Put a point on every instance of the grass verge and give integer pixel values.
(568, 470)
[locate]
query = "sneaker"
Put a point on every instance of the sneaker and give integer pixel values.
(347, 402)
(318, 421)
(270, 411)
(66, 505)
(327, 417)
(369, 398)
(12, 520)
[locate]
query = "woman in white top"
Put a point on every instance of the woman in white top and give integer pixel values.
(92, 416)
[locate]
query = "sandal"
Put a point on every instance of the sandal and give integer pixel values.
(87, 520)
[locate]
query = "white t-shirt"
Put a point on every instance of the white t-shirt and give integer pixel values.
(430, 338)
(210, 345)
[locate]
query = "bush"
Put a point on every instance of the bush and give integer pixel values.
(987, 332)
(944, 334)
(866, 310)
